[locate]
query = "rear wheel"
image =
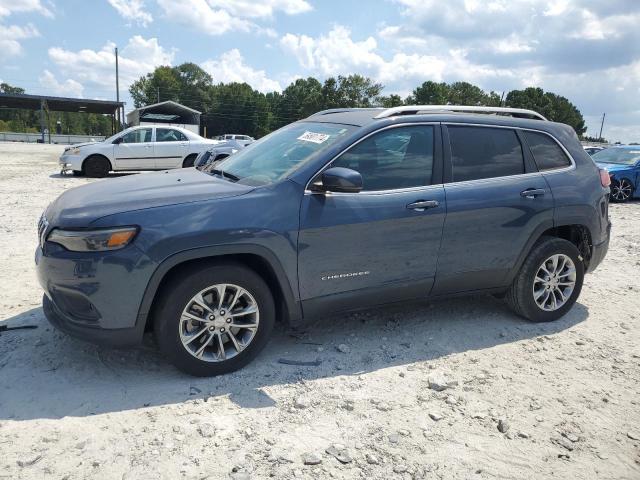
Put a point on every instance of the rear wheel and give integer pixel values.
(214, 320)
(96, 166)
(621, 190)
(549, 281)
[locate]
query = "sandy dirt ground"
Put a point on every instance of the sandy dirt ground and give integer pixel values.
(455, 389)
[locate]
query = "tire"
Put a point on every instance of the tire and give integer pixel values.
(173, 328)
(96, 166)
(189, 160)
(621, 190)
(521, 296)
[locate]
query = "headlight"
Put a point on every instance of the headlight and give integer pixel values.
(73, 151)
(93, 240)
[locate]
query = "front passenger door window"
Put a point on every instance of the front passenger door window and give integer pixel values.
(393, 159)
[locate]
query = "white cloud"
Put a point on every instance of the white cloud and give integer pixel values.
(200, 15)
(68, 88)
(336, 53)
(133, 11)
(7, 7)
(217, 17)
(10, 36)
(139, 57)
(263, 8)
(230, 67)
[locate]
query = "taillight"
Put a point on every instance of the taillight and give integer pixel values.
(605, 180)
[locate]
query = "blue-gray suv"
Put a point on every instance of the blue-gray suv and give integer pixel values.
(347, 209)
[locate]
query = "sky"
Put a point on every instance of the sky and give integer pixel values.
(585, 50)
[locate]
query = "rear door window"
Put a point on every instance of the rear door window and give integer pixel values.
(546, 152)
(169, 135)
(484, 152)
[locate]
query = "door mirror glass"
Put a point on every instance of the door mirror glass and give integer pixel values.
(339, 179)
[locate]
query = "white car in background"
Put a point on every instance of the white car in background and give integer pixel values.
(137, 148)
(241, 139)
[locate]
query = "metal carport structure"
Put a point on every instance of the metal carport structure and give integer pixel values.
(63, 104)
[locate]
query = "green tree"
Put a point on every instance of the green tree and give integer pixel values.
(552, 106)
(430, 93)
(187, 84)
(390, 101)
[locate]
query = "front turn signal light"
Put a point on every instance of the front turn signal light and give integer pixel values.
(93, 240)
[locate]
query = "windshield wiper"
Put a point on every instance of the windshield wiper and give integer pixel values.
(223, 174)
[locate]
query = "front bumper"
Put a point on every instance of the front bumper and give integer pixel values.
(95, 296)
(70, 162)
(120, 338)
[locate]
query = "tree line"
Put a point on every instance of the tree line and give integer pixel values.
(239, 108)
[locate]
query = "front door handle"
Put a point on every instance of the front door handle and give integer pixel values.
(422, 205)
(532, 193)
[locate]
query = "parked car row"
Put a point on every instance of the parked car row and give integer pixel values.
(136, 148)
(146, 148)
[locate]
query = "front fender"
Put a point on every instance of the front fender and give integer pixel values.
(292, 305)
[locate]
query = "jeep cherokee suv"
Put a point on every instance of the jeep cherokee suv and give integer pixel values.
(346, 209)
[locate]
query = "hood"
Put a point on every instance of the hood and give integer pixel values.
(614, 167)
(78, 207)
(78, 145)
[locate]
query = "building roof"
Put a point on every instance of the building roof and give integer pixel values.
(166, 108)
(58, 104)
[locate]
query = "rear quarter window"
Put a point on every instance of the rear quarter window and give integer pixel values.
(546, 152)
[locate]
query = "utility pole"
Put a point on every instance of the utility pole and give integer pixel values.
(118, 90)
(601, 125)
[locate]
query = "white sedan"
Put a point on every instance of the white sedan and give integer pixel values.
(136, 148)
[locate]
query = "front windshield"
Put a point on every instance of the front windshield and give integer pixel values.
(621, 156)
(277, 155)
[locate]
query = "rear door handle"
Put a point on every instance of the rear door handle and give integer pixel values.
(422, 205)
(532, 193)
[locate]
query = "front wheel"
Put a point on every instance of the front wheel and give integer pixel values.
(549, 281)
(96, 166)
(214, 320)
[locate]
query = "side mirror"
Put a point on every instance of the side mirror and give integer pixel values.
(339, 179)
(117, 141)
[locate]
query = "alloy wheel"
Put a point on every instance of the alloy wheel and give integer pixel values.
(554, 282)
(622, 190)
(219, 322)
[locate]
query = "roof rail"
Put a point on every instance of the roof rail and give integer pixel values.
(418, 109)
(342, 110)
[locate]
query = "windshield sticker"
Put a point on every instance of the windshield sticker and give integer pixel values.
(314, 137)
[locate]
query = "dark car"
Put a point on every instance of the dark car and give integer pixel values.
(344, 210)
(623, 164)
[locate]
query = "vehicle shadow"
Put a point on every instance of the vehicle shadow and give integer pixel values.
(45, 374)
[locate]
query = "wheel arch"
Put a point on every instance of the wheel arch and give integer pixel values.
(186, 159)
(576, 233)
(258, 259)
(97, 155)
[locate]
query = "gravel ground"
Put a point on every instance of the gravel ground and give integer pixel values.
(449, 389)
